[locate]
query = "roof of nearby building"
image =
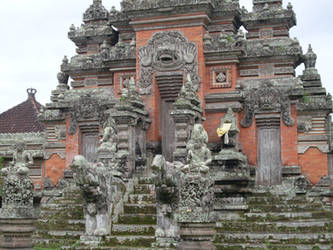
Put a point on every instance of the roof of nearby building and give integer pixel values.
(23, 117)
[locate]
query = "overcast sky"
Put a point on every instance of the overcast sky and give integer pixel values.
(34, 41)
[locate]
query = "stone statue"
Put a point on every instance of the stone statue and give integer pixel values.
(166, 177)
(196, 195)
(95, 184)
(17, 185)
(198, 156)
(110, 137)
(187, 91)
(310, 58)
(228, 130)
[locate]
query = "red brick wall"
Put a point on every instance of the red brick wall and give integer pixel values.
(314, 164)
(54, 168)
(72, 145)
(248, 139)
(289, 150)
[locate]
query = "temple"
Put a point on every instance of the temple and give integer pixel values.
(172, 128)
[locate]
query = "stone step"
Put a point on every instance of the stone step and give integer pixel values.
(275, 216)
(57, 234)
(257, 200)
(310, 226)
(140, 209)
(53, 243)
(68, 213)
(129, 241)
(137, 219)
(144, 189)
(254, 246)
(59, 223)
(145, 180)
(72, 200)
(53, 206)
(130, 229)
(106, 248)
(286, 207)
(279, 238)
(142, 198)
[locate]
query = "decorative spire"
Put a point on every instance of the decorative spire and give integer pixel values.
(310, 58)
(96, 12)
(31, 93)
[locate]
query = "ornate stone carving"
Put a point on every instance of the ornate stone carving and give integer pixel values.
(198, 155)
(85, 108)
(228, 130)
(221, 77)
(266, 99)
(304, 123)
(224, 41)
(196, 195)
(62, 78)
(122, 51)
(310, 58)
(166, 177)
(17, 185)
(123, 80)
(266, 47)
(96, 11)
(130, 5)
(95, 185)
(108, 150)
(167, 51)
(110, 137)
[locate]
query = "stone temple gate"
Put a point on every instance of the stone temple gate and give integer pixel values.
(171, 128)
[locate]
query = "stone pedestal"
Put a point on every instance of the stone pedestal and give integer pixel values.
(197, 236)
(16, 228)
(92, 241)
(231, 181)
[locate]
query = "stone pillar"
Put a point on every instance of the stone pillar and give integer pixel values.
(184, 121)
(17, 212)
(196, 195)
(197, 226)
(16, 227)
(185, 112)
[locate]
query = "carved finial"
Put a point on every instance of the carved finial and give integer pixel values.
(65, 60)
(290, 6)
(113, 9)
(31, 93)
(96, 12)
(72, 27)
(310, 58)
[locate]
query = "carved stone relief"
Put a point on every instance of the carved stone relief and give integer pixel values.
(167, 51)
(85, 108)
(267, 99)
(123, 79)
(221, 77)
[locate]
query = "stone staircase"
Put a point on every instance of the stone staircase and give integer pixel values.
(61, 220)
(135, 228)
(276, 221)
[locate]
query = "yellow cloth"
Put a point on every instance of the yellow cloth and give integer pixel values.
(225, 128)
